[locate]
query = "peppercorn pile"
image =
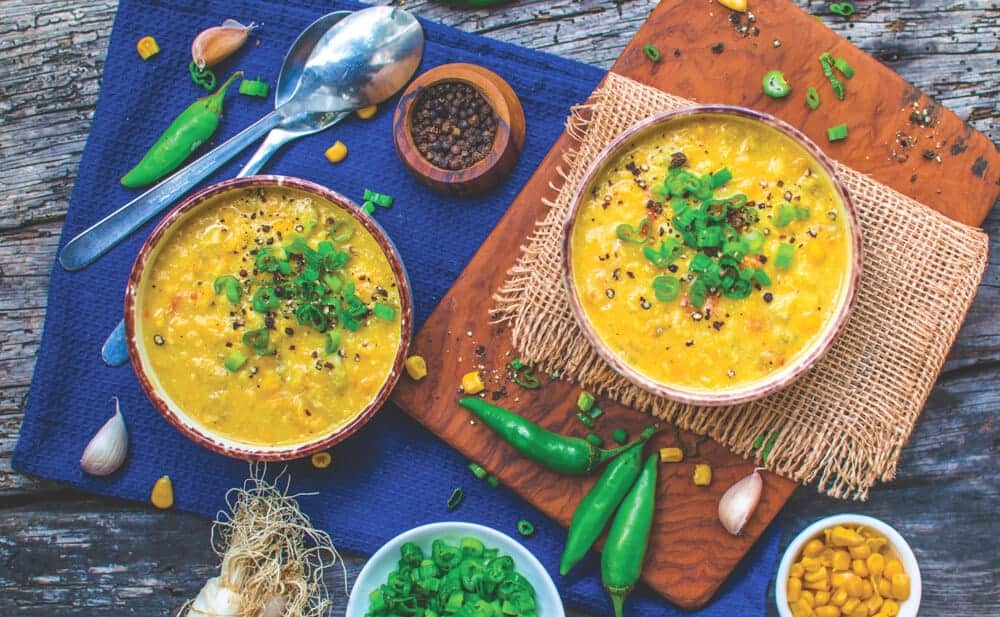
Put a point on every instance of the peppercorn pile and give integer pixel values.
(453, 125)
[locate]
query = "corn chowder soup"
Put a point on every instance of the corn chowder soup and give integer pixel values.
(710, 253)
(271, 317)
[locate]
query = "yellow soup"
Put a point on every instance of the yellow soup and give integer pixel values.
(270, 317)
(710, 253)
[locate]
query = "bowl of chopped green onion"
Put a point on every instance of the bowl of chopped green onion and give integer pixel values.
(454, 567)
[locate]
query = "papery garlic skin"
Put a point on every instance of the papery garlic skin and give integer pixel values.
(738, 503)
(108, 447)
(215, 44)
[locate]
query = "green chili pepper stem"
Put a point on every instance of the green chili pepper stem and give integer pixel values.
(567, 455)
(193, 127)
(625, 547)
(596, 509)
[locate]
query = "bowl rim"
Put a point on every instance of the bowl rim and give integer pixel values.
(455, 72)
(225, 445)
(496, 539)
(908, 608)
(775, 381)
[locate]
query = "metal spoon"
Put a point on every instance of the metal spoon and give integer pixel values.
(114, 352)
(362, 60)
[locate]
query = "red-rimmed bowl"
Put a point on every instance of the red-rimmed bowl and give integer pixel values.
(135, 340)
(806, 358)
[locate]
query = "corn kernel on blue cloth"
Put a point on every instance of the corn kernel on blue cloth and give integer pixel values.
(391, 476)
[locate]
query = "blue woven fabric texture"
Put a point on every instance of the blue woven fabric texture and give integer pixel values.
(391, 476)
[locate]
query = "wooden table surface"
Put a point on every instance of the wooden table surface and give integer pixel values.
(67, 553)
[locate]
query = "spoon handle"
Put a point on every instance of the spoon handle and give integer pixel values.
(274, 140)
(101, 237)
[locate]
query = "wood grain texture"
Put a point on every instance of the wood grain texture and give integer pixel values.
(82, 550)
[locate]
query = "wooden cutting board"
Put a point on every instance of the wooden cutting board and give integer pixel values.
(706, 58)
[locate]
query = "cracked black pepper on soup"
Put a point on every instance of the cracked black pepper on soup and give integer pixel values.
(453, 125)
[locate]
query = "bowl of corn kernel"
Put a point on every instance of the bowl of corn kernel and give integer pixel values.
(848, 565)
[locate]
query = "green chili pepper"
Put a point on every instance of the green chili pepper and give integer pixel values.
(596, 509)
(568, 455)
(775, 85)
(193, 127)
(625, 547)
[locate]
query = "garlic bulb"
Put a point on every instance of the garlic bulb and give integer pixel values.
(215, 44)
(107, 449)
(738, 503)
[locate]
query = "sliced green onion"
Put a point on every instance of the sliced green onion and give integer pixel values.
(766, 452)
(232, 287)
(784, 215)
(698, 293)
(668, 251)
(312, 316)
(525, 377)
(384, 311)
(595, 412)
(844, 9)
(627, 233)
(341, 232)
(525, 528)
(255, 87)
(595, 440)
(721, 177)
(620, 435)
(812, 98)
(710, 237)
(754, 240)
(516, 364)
(478, 471)
(775, 85)
(652, 53)
(584, 419)
(585, 401)
(265, 300)
(783, 259)
(666, 288)
(757, 443)
(844, 67)
(456, 498)
(801, 213)
(368, 208)
(332, 343)
(837, 133)
(493, 481)
(761, 277)
(235, 361)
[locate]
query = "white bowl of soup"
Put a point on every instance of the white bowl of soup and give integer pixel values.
(268, 318)
(711, 255)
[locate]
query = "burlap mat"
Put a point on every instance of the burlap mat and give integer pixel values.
(845, 422)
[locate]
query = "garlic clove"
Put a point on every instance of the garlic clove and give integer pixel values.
(107, 449)
(738, 503)
(215, 44)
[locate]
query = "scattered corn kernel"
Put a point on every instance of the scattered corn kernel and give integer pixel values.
(321, 460)
(811, 564)
(162, 495)
(838, 598)
(337, 152)
(801, 609)
(367, 113)
(892, 567)
(808, 598)
(874, 603)
(861, 551)
(816, 575)
(827, 611)
(702, 475)
(841, 560)
(849, 606)
(822, 598)
(900, 586)
(866, 590)
(671, 455)
(840, 579)
(876, 564)
(147, 47)
(416, 367)
(813, 548)
(796, 571)
(735, 5)
(472, 383)
(890, 608)
(842, 536)
(858, 567)
(854, 587)
(885, 588)
(794, 589)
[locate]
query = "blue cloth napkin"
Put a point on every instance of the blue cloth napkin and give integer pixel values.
(391, 476)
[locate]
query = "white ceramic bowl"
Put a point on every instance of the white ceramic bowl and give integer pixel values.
(909, 608)
(377, 570)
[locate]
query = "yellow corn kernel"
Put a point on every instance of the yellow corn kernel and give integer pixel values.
(321, 460)
(813, 548)
(826, 557)
(885, 588)
(839, 579)
(858, 567)
(735, 5)
(842, 536)
(801, 609)
(367, 113)
(875, 563)
(838, 598)
(892, 567)
(808, 598)
(794, 590)
(854, 587)
(337, 152)
(841, 560)
(816, 575)
(890, 608)
(822, 597)
(876, 544)
(861, 551)
(827, 611)
(900, 586)
(162, 495)
(866, 590)
(874, 603)
(671, 455)
(811, 563)
(703, 475)
(147, 47)
(416, 367)
(850, 605)
(820, 585)
(472, 383)
(796, 570)
(860, 611)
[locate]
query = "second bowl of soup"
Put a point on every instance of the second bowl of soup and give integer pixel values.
(268, 317)
(710, 255)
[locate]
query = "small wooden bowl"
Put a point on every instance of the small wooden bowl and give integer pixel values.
(507, 144)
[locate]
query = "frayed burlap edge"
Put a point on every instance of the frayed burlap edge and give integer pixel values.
(844, 424)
